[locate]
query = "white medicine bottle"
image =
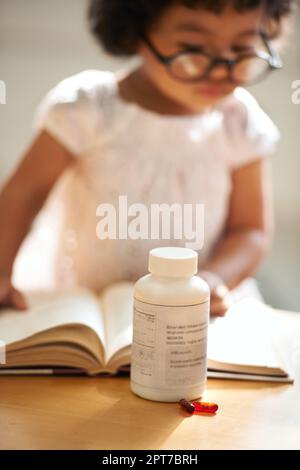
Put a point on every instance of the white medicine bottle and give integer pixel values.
(170, 323)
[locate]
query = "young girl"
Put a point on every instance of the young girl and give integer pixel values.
(178, 128)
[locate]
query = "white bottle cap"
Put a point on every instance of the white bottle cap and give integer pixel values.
(173, 261)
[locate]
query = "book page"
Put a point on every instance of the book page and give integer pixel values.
(243, 336)
(286, 341)
(48, 309)
(116, 303)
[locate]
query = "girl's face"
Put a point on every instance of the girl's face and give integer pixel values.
(228, 35)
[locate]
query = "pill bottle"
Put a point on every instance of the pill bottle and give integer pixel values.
(170, 322)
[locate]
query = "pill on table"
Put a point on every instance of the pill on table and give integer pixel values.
(204, 407)
(187, 406)
(198, 406)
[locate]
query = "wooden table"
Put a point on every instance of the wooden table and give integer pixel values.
(102, 413)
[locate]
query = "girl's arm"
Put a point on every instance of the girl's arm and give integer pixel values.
(247, 235)
(20, 200)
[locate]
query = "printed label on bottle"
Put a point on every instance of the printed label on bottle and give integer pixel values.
(169, 345)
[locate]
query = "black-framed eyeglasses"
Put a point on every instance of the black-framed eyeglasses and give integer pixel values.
(194, 64)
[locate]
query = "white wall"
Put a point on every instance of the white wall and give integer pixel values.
(43, 41)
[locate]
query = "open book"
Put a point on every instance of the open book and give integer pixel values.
(76, 332)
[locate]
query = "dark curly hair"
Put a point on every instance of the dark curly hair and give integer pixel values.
(119, 24)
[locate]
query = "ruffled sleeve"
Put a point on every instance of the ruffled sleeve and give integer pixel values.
(70, 111)
(250, 133)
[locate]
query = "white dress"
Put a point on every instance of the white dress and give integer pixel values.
(123, 149)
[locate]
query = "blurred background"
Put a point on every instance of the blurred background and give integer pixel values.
(42, 42)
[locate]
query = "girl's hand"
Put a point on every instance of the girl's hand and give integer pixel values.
(9, 296)
(220, 300)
